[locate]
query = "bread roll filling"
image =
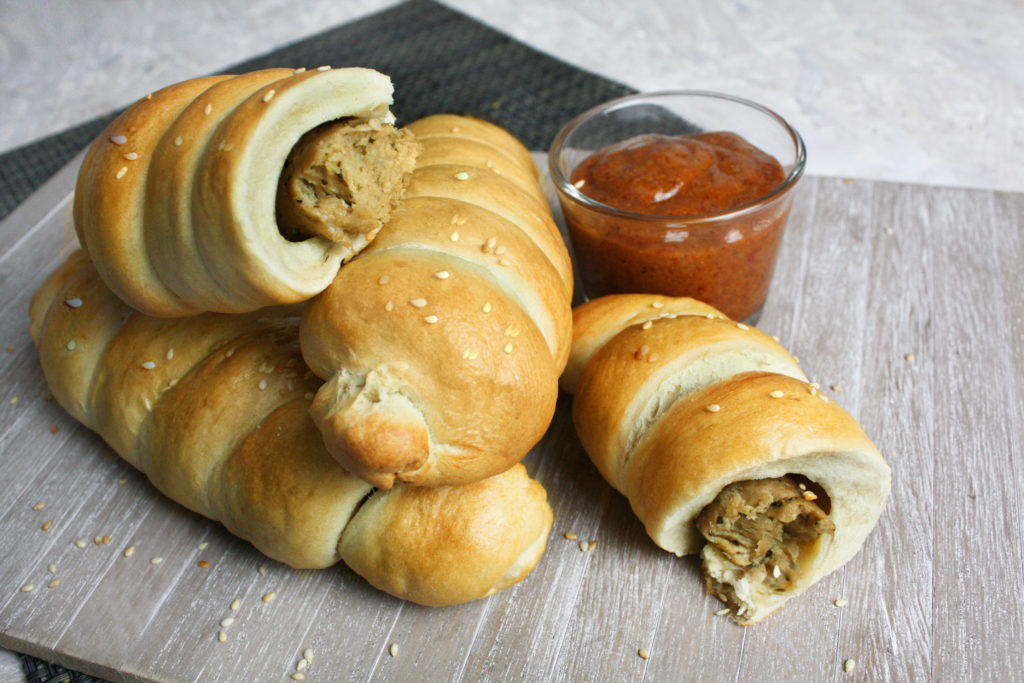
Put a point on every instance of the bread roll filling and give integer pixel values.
(762, 537)
(342, 179)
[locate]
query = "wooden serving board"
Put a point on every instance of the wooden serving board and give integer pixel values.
(869, 273)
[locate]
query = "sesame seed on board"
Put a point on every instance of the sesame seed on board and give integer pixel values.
(38, 506)
(643, 654)
(849, 665)
(570, 535)
(393, 650)
(269, 597)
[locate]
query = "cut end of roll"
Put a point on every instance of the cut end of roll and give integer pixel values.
(342, 179)
(763, 536)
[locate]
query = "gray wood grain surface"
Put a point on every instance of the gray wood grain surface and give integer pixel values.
(870, 272)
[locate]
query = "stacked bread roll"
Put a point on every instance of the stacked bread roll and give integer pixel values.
(710, 429)
(225, 199)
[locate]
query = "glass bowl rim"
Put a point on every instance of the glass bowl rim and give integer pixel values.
(567, 189)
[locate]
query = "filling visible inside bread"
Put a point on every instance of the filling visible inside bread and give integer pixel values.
(342, 179)
(762, 536)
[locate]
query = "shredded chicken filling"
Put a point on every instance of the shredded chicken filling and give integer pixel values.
(342, 179)
(762, 527)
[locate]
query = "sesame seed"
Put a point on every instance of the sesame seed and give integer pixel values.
(841, 603)
(298, 676)
(778, 393)
(909, 357)
(47, 524)
(54, 583)
(323, 68)
(170, 354)
(178, 141)
(500, 250)
(742, 326)
(384, 279)
(129, 551)
(52, 569)
(148, 365)
(227, 621)
(98, 540)
(270, 95)
(592, 545)
(203, 564)
(122, 481)
(430, 319)
(73, 303)
(442, 275)
(121, 172)
(454, 236)
(118, 139)
(776, 572)
(263, 384)
(262, 570)
(302, 664)
(644, 654)
(455, 219)
(389, 306)
(584, 546)
(54, 429)
(579, 183)
(14, 400)
(713, 408)
(80, 544)
(657, 304)
(307, 654)
(849, 665)
(221, 636)
(269, 597)
(38, 506)
(810, 495)
(508, 347)
(300, 70)
(455, 129)
(235, 604)
(131, 156)
(418, 303)
(647, 325)
(709, 316)
(156, 560)
(462, 175)
(490, 244)
(229, 353)
(653, 358)
(504, 262)
(722, 612)
(570, 536)
(27, 588)
(487, 307)
(393, 650)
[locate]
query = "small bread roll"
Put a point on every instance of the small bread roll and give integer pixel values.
(712, 432)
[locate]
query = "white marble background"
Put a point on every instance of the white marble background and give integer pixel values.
(908, 90)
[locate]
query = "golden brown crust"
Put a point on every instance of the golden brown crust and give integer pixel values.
(490, 534)
(215, 410)
(443, 368)
(598, 320)
(175, 200)
(673, 410)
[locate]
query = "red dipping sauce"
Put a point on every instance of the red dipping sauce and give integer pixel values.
(691, 215)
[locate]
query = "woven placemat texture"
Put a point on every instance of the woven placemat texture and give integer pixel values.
(439, 61)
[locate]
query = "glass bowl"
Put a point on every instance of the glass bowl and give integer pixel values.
(725, 258)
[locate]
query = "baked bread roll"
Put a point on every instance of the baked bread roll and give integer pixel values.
(230, 193)
(441, 344)
(712, 432)
(214, 409)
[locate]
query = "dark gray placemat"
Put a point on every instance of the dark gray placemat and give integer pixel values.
(439, 60)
